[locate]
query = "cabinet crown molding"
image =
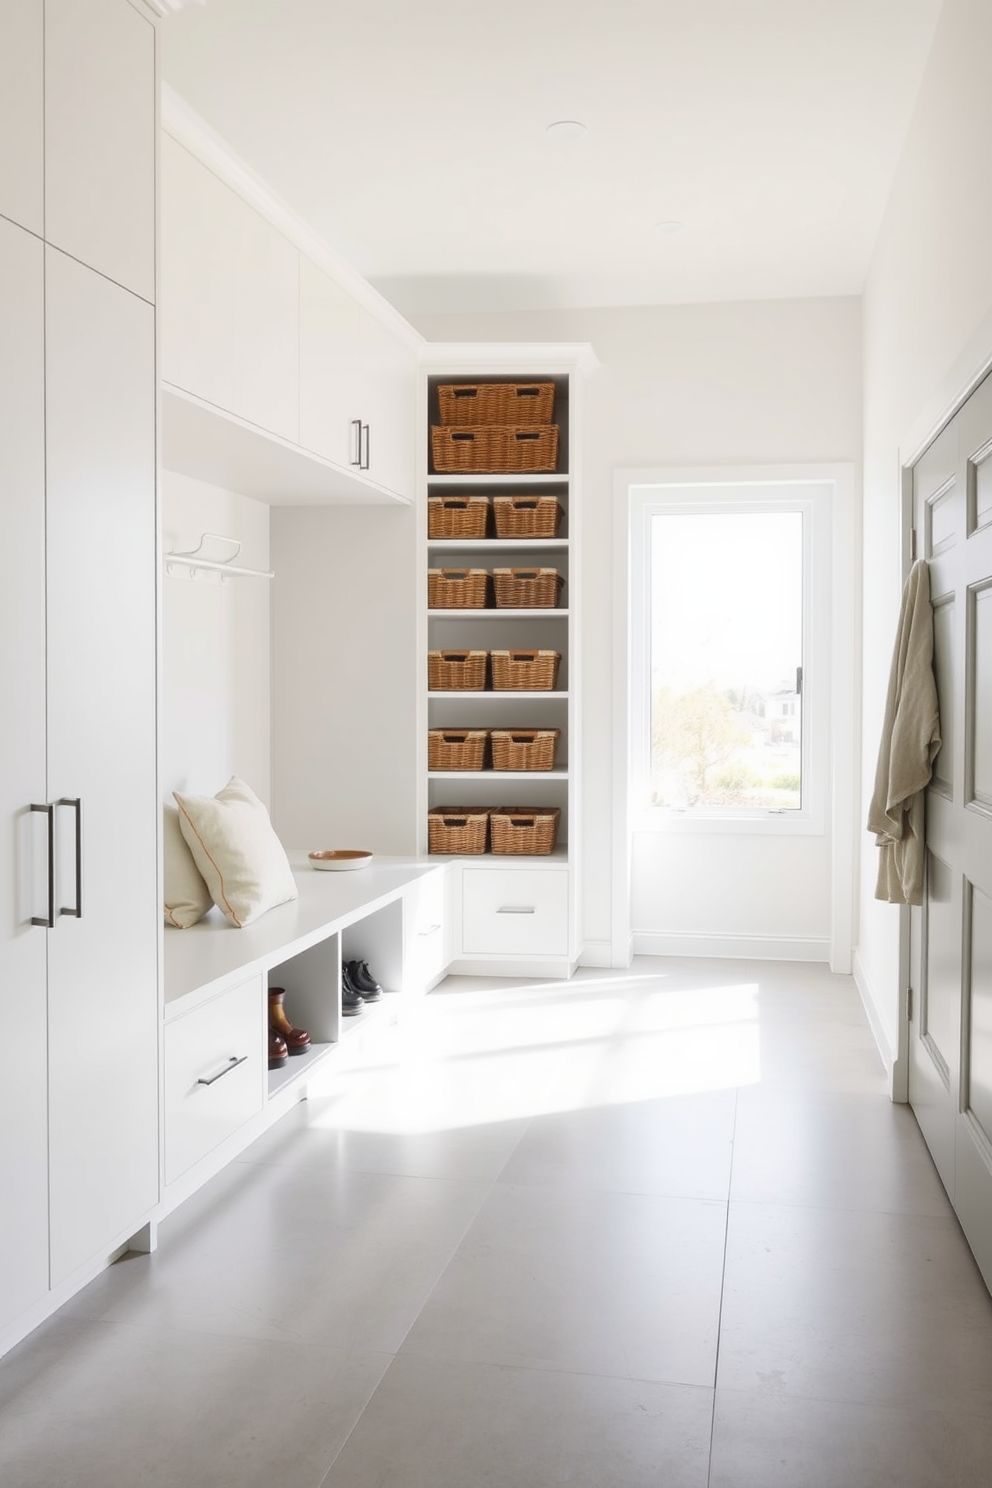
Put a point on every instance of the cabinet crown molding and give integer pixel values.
(190, 130)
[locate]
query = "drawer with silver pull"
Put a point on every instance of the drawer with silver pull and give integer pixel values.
(215, 1063)
(515, 911)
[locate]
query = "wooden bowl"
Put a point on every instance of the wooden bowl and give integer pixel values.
(340, 859)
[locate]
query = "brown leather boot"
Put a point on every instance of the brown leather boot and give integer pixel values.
(297, 1039)
(277, 1050)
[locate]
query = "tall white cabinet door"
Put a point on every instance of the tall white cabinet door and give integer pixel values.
(103, 998)
(22, 113)
(100, 138)
(23, 835)
(330, 363)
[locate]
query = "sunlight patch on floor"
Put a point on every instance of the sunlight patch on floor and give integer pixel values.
(454, 1067)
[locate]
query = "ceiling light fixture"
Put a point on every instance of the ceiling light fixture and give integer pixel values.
(565, 129)
(668, 228)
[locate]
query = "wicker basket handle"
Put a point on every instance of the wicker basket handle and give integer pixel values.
(523, 655)
(455, 821)
(522, 821)
(523, 435)
(455, 503)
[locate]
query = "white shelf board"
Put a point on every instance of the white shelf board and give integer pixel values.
(465, 693)
(508, 478)
(494, 544)
(555, 859)
(296, 1065)
(508, 775)
(494, 614)
(206, 442)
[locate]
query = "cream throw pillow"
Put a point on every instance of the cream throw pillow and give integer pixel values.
(243, 863)
(187, 897)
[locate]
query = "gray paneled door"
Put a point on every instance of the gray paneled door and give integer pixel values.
(951, 1025)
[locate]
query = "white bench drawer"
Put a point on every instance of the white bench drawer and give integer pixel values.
(515, 912)
(215, 1062)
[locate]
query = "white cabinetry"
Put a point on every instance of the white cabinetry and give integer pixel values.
(214, 1074)
(284, 380)
(23, 1012)
(330, 352)
(100, 138)
(357, 384)
(22, 113)
(102, 966)
(516, 913)
(230, 291)
(79, 911)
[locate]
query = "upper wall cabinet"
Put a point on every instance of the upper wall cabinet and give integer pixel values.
(230, 297)
(285, 376)
(100, 138)
(357, 384)
(22, 113)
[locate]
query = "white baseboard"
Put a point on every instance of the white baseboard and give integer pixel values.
(734, 947)
(597, 953)
(887, 1054)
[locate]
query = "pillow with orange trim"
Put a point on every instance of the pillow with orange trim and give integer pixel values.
(187, 897)
(239, 856)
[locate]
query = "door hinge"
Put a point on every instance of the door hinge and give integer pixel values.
(912, 544)
(909, 1004)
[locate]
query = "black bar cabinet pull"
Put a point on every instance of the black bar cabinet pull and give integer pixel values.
(76, 911)
(49, 924)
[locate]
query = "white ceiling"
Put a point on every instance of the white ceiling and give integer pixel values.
(411, 135)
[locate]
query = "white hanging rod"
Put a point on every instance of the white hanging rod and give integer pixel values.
(191, 559)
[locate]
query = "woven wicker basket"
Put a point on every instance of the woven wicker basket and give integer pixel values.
(526, 830)
(458, 588)
(524, 749)
(495, 447)
(458, 516)
(527, 516)
(525, 671)
(458, 829)
(456, 671)
(527, 588)
(474, 403)
(456, 749)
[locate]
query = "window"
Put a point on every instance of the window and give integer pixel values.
(729, 644)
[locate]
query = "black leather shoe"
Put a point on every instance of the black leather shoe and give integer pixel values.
(363, 981)
(352, 1001)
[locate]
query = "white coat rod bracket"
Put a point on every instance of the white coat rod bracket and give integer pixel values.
(197, 560)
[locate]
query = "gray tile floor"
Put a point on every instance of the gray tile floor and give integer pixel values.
(656, 1230)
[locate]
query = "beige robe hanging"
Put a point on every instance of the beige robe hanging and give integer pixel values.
(909, 744)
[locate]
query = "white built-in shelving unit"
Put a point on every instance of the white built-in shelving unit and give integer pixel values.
(511, 913)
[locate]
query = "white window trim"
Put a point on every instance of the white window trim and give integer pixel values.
(844, 688)
(813, 500)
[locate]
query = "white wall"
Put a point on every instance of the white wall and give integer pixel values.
(723, 384)
(215, 646)
(927, 305)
